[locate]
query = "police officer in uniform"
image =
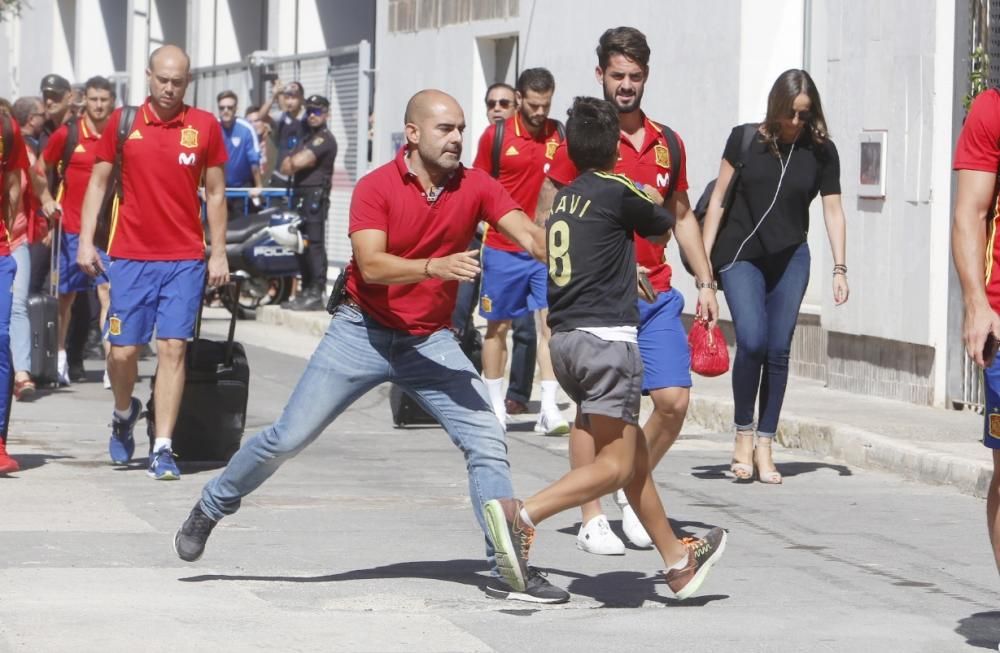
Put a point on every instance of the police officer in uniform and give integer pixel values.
(310, 167)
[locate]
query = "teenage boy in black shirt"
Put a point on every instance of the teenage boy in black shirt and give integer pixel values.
(594, 320)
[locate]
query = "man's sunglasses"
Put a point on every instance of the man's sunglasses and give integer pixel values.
(227, 107)
(315, 111)
(504, 103)
(804, 116)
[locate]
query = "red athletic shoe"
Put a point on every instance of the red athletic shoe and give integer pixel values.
(7, 464)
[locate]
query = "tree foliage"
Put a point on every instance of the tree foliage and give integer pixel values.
(11, 9)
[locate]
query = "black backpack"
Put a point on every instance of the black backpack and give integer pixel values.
(701, 206)
(114, 193)
(498, 143)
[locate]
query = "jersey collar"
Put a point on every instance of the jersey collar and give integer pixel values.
(653, 134)
(149, 115)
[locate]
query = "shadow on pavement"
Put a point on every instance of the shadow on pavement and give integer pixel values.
(29, 461)
(630, 589)
(981, 630)
(465, 572)
(789, 469)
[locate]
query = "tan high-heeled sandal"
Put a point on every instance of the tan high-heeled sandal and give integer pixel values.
(742, 472)
(772, 477)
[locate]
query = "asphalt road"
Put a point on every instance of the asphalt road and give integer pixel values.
(366, 542)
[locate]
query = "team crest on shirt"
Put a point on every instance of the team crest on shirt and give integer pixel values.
(236, 140)
(189, 137)
(317, 141)
(662, 156)
(486, 303)
(995, 425)
(550, 149)
(115, 325)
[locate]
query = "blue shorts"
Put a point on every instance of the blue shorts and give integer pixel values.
(71, 277)
(147, 294)
(991, 388)
(514, 283)
(666, 357)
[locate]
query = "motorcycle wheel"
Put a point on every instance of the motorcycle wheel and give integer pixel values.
(256, 292)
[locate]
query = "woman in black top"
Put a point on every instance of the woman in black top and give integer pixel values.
(761, 254)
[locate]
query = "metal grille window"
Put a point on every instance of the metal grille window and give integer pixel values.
(340, 75)
(414, 15)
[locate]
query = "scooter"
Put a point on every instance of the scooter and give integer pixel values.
(262, 248)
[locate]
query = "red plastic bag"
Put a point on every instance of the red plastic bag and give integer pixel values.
(709, 354)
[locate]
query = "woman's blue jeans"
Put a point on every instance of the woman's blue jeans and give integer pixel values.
(764, 296)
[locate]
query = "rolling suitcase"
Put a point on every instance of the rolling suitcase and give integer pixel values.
(405, 409)
(213, 411)
(43, 319)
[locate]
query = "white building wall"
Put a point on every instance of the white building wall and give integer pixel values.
(878, 65)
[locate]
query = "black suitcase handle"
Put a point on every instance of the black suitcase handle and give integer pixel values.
(233, 287)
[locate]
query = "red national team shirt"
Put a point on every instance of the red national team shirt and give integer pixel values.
(649, 165)
(77, 173)
(16, 154)
(391, 199)
(524, 159)
(162, 167)
(979, 149)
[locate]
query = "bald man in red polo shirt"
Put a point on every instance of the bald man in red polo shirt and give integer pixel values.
(410, 223)
(157, 246)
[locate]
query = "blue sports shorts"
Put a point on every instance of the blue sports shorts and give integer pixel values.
(71, 277)
(991, 387)
(666, 357)
(148, 294)
(514, 284)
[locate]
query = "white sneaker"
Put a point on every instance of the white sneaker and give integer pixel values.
(107, 380)
(596, 537)
(633, 528)
(63, 373)
(552, 423)
(634, 531)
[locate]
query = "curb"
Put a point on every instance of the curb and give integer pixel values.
(312, 323)
(854, 446)
(858, 447)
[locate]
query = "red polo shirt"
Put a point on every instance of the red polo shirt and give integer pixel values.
(17, 159)
(978, 148)
(649, 165)
(162, 167)
(524, 158)
(391, 199)
(77, 173)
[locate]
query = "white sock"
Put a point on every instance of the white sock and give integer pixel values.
(61, 358)
(680, 564)
(526, 519)
(123, 414)
(494, 387)
(549, 389)
(160, 443)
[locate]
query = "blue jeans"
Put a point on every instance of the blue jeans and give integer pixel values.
(355, 355)
(20, 328)
(764, 296)
(8, 268)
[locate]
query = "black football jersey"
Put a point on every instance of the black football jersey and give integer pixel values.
(591, 250)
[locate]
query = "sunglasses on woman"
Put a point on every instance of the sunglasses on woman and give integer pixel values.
(804, 116)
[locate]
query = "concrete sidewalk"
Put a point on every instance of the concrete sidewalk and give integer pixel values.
(925, 444)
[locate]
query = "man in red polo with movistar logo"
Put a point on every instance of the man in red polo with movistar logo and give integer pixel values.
(157, 245)
(644, 156)
(410, 222)
(514, 284)
(83, 136)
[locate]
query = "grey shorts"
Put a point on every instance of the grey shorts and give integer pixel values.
(602, 377)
